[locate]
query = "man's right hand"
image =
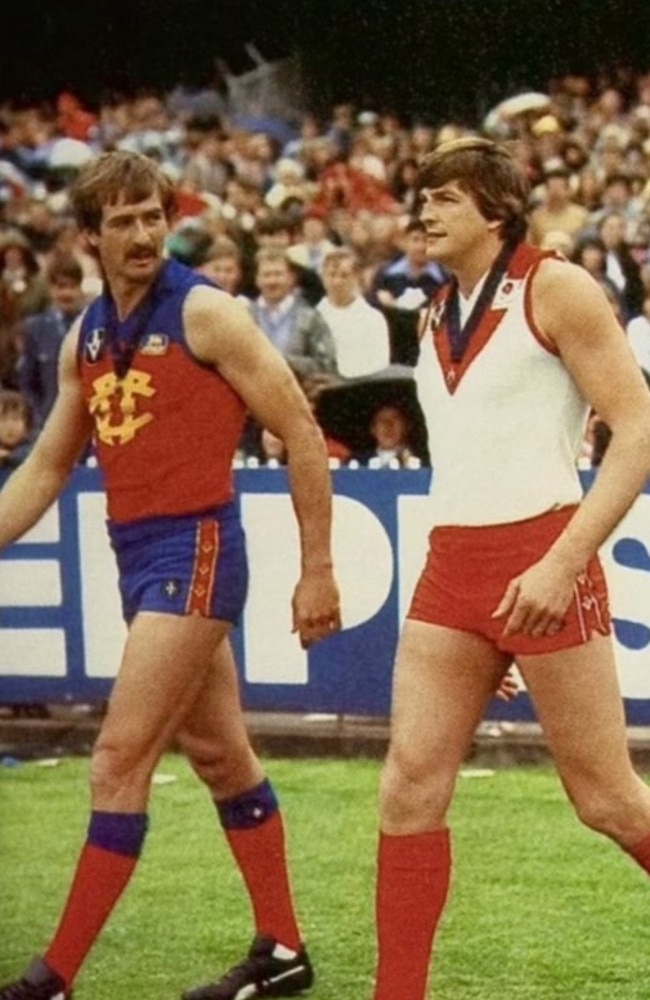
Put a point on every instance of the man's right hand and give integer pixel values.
(316, 606)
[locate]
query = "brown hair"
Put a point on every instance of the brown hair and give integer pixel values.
(223, 248)
(273, 255)
(111, 176)
(64, 267)
(340, 255)
(12, 401)
(487, 171)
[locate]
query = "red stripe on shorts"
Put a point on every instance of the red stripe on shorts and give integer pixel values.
(204, 572)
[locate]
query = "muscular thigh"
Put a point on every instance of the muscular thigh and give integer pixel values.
(166, 660)
(578, 703)
(213, 734)
(443, 681)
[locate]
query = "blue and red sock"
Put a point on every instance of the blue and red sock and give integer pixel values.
(255, 832)
(107, 860)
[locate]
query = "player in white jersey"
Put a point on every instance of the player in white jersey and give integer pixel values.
(513, 352)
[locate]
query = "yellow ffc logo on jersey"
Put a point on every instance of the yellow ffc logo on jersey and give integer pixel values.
(115, 403)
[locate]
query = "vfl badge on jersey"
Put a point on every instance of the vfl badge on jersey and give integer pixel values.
(505, 292)
(154, 344)
(94, 346)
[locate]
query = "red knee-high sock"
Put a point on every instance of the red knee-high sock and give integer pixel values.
(641, 853)
(104, 868)
(412, 885)
(99, 881)
(261, 856)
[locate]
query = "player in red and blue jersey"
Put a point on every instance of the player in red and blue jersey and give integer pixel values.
(159, 371)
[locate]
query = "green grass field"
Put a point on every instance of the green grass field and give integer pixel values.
(540, 908)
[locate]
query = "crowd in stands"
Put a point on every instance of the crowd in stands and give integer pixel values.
(314, 226)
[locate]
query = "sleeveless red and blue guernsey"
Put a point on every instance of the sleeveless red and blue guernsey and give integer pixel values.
(166, 425)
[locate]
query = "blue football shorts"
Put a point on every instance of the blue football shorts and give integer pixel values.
(193, 564)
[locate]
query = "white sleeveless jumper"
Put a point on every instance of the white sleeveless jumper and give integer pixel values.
(505, 424)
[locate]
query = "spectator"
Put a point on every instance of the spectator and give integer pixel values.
(242, 203)
(43, 335)
(292, 325)
(591, 254)
(343, 185)
(207, 167)
(401, 287)
(402, 183)
(288, 184)
(223, 264)
(296, 329)
(557, 211)
(589, 189)
(16, 426)
(22, 283)
(39, 225)
(313, 242)
(69, 242)
(618, 195)
(360, 331)
(411, 279)
(391, 430)
(277, 231)
(10, 344)
(272, 452)
(620, 266)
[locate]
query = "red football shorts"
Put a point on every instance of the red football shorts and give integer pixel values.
(467, 572)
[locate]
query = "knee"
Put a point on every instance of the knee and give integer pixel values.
(224, 769)
(210, 766)
(414, 794)
(114, 766)
(592, 811)
(611, 812)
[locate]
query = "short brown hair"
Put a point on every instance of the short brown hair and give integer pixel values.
(487, 171)
(12, 401)
(223, 247)
(63, 268)
(273, 255)
(340, 255)
(110, 176)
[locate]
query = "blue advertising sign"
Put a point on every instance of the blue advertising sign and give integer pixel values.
(61, 631)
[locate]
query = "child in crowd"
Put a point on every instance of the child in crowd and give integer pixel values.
(16, 422)
(390, 428)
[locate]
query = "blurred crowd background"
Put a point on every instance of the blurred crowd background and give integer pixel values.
(311, 218)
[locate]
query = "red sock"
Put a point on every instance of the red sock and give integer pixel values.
(260, 855)
(641, 853)
(99, 881)
(412, 884)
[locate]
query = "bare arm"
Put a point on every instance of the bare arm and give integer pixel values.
(34, 486)
(220, 332)
(574, 313)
